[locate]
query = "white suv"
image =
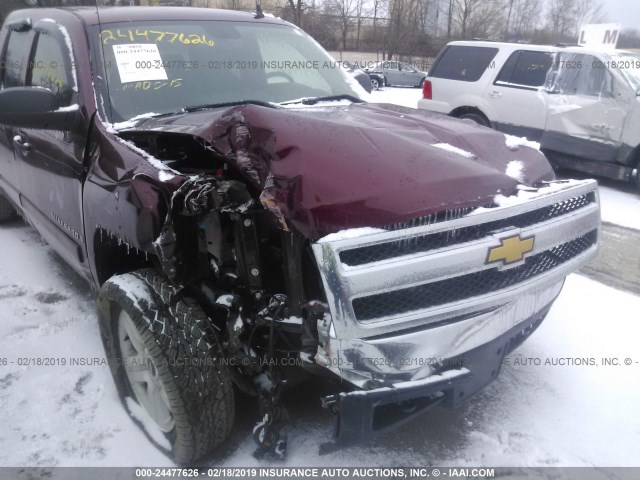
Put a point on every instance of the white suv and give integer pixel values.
(582, 105)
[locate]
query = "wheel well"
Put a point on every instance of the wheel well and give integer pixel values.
(113, 256)
(457, 112)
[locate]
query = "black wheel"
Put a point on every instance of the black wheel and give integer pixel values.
(421, 84)
(476, 118)
(376, 83)
(7, 212)
(636, 178)
(165, 360)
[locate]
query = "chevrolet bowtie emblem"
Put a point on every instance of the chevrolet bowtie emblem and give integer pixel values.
(511, 250)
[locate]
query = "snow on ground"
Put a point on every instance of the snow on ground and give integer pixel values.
(543, 415)
(53, 415)
(619, 206)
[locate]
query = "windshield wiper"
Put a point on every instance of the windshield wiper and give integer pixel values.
(330, 98)
(195, 108)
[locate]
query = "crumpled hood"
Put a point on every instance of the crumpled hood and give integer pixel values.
(326, 169)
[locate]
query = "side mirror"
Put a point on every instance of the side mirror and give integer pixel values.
(35, 107)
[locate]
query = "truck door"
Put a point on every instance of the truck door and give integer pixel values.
(49, 162)
(15, 42)
(515, 102)
(586, 109)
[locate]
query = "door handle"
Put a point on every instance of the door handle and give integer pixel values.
(20, 143)
(495, 94)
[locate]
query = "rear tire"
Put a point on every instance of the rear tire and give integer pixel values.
(636, 179)
(7, 212)
(165, 360)
(376, 83)
(476, 118)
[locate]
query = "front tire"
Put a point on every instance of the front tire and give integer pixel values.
(165, 359)
(7, 212)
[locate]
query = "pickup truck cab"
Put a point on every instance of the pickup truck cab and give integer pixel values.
(249, 222)
(580, 104)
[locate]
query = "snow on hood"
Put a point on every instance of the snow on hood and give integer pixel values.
(515, 169)
(514, 143)
(456, 150)
(360, 165)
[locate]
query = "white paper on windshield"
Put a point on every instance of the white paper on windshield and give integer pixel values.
(139, 62)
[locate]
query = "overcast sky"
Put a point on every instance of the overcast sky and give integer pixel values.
(626, 12)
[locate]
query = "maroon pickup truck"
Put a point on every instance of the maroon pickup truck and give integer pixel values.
(251, 222)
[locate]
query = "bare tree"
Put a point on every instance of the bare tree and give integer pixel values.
(379, 9)
(566, 16)
(398, 30)
(478, 18)
(588, 11)
(525, 18)
(296, 7)
(360, 10)
(344, 11)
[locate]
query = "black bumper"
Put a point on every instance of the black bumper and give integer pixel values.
(365, 414)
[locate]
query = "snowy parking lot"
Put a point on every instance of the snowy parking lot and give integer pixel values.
(567, 397)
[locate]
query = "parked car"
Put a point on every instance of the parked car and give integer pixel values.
(395, 73)
(249, 222)
(361, 77)
(582, 105)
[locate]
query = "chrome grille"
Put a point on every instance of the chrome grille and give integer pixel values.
(402, 278)
(467, 286)
(415, 244)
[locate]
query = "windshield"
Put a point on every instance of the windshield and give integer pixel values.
(163, 67)
(629, 65)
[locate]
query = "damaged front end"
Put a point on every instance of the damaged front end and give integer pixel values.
(374, 272)
(426, 314)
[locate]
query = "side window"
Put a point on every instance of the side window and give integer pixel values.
(50, 66)
(608, 85)
(526, 69)
(16, 56)
(578, 74)
(566, 77)
(463, 63)
(504, 77)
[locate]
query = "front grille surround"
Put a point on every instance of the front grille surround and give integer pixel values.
(366, 298)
